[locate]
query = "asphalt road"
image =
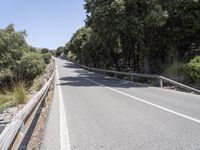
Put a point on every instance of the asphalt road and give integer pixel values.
(94, 112)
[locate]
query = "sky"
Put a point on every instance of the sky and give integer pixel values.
(48, 23)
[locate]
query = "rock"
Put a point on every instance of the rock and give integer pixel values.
(1, 117)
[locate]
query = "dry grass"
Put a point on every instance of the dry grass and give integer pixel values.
(20, 93)
(5, 100)
(37, 86)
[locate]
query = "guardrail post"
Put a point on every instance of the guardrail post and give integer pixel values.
(132, 78)
(22, 129)
(161, 83)
(44, 103)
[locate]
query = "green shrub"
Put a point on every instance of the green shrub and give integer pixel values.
(19, 93)
(5, 99)
(6, 79)
(193, 70)
(175, 70)
(71, 56)
(47, 57)
(59, 51)
(31, 65)
(53, 52)
(44, 50)
(37, 86)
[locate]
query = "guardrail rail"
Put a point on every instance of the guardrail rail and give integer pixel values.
(13, 134)
(161, 79)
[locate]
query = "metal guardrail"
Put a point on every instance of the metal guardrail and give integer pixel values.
(12, 135)
(161, 79)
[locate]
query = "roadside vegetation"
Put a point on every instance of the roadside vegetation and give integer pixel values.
(157, 37)
(20, 64)
(193, 70)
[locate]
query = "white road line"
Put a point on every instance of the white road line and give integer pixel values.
(64, 134)
(146, 102)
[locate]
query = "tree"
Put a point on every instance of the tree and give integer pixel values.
(12, 46)
(44, 50)
(59, 51)
(137, 35)
(18, 61)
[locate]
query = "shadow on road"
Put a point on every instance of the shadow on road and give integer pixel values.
(70, 65)
(79, 80)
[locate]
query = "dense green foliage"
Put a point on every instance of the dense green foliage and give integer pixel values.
(193, 70)
(71, 57)
(175, 71)
(59, 51)
(44, 50)
(47, 57)
(30, 65)
(19, 62)
(144, 36)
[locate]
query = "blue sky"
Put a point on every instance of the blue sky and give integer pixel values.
(49, 23)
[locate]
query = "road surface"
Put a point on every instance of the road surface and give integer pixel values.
(94, 112)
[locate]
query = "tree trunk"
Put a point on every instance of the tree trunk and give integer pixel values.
(116, 64)
(147, 69)
(115, 61)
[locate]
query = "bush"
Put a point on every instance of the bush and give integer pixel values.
(6, 100)
(31, 65)
(53, 52)
(44, 50)
(59, 51)
(37, 86)
(6, 79)
(71, 56)
(47, 57)
(193, 70)
(175, 71)
(19, 93)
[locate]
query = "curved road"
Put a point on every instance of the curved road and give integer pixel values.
(94, 112)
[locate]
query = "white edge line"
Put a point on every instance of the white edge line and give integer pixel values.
(64, 133)
(146, 102)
